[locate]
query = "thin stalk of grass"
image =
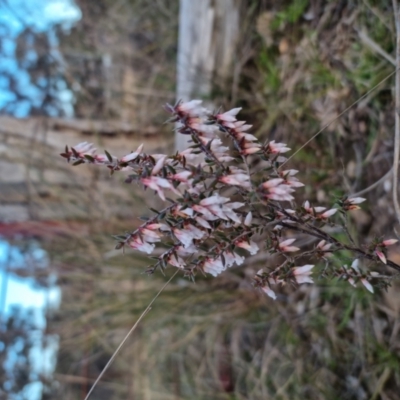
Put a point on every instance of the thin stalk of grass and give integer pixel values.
(396, 10)
(148, 308)
(344, 112)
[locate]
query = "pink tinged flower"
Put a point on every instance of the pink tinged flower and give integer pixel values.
(216, 199)
(248, 138)
(85, 148)
(207, 214)
(202, 222)
(248, 219)
(138, 244)
(367, 285)
(285, 246)
(389, 242)
(241, 126)
(278, 190)
(228, 211)
(381, 256)
(186, 251)
(251, 149)
(158, 184)
(191, 108)
(187, 212)
(290, 179)
(351, 203)
(159, 165)
(100, 159)
(312, 210)
(208, 131)
(355, 200)
(351, 281)
(269, 292)
(176, 261)
(232, 258)
(277, 148)
(219, 151)
(190, 158)
(181, 176)
(272, 183)
(237, 179)
(213, 266)
(229, 116)
(328, 213)
(150, 236)
(186, 235)
(324, 247)
(250, 246)
(354, 265)
(302, 274)
(132, 156)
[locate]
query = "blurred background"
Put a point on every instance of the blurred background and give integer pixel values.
(100, 71)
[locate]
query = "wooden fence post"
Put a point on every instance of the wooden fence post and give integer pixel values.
(208, 31)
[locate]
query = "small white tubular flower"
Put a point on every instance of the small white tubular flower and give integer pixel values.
(134, 155)
(351, 203)
(290, 179)
(324, 247)
(381, 256)
(250, 246)
(285, 246)
(217, 206)
(312, 210)
(192, 108)
(232, 258)
(302, 274)
(367, 285)
(158, 184)
(143, 246)
(85, 148)
(176, 261)
(204, 130)
(228, 116)
(186, 235)
(328, 213)
(250, 148)
(150, 236)
(188, 156)
(248, 219)
(277, 148)
(220, 151)
(389, 242)
(355, 200)
(269, 292)
(186, 251)
(215, 199)
(182, 176)
(227, 210)
(202, 222)
(237, 178)
(213, 266)
(159, 165)
(278, 190)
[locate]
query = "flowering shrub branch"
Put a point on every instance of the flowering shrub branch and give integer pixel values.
(234, 201)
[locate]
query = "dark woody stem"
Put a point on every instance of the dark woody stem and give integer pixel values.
(312, 230)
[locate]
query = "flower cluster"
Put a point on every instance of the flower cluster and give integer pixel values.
(226, 207)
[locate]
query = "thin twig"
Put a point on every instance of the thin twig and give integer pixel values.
(342, 113)
(374, 185)
(148, 308)
(396, 9)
